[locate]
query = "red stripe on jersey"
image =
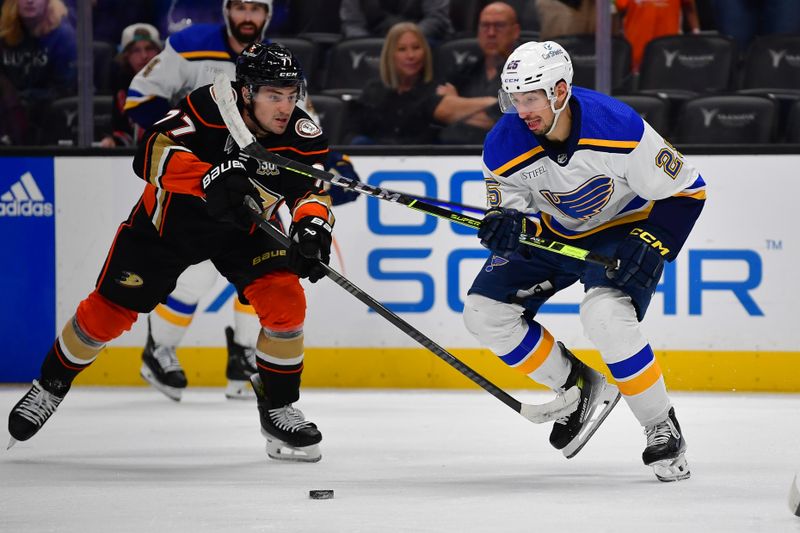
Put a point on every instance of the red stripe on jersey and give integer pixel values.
(293, 149)
(201, 119)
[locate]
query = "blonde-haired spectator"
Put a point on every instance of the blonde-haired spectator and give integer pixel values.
(403, 107)
(37, 58)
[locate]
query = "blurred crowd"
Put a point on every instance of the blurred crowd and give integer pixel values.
(413, 72)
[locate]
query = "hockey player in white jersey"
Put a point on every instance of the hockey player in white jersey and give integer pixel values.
(568, 163)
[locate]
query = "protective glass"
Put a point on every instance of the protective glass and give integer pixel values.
(530, 102)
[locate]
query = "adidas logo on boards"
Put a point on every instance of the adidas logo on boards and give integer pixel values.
(25, 199)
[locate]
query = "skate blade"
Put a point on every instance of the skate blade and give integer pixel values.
(672, 469)
(280, 451)
(794, 496)
(170, 392)
(609, 397)
(11, 442)
(239, 390)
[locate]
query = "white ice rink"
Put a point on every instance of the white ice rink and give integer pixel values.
(120, 460)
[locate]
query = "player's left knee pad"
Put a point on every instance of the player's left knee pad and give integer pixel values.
(279, 300)
(103, 320)
(497, 325)
(609, 321)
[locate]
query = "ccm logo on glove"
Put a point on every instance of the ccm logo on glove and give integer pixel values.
(650, 239)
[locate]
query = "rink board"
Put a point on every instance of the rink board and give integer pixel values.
(722, 318)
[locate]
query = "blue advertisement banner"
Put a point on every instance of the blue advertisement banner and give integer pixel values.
(27, 270)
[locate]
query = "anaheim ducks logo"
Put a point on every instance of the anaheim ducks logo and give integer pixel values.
(129, 279)
(307, 128)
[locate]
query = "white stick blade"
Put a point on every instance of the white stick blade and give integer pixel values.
(561, 405)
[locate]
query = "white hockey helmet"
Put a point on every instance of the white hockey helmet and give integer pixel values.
(533, 66)
(226, 17)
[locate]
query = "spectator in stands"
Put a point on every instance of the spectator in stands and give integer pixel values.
(38, 60)
(745, 19)
(139, 44)
(374, 18)
(644, 21)
(565, 17)
(498, 32)
(402, 107)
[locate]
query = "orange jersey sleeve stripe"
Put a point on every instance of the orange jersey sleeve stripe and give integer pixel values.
(173, 167)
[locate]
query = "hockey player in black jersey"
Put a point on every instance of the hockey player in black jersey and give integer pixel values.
(192, 209)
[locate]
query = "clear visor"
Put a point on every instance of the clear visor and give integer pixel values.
(530, 102)
(278, 95)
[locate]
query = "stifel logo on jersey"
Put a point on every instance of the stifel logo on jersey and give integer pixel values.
(25, 199)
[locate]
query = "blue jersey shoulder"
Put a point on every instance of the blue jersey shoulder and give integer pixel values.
(604, 117)
(506, 141)
(200, 38)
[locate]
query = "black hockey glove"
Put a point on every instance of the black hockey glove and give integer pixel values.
(226, 186)
(500, 230)
(640, 258)
(311, 244)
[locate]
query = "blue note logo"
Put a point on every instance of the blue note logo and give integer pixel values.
(585, 201)
(25, 199)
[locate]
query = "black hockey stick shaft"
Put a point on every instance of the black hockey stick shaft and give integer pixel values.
(255, 150)
(248, 144)
(401, 324)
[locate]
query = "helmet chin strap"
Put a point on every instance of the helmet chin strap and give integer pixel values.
(557, 112)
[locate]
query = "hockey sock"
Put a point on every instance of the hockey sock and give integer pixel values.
(72, 351)
(169, 321)
(279, 358)
(246, 325)
(537, 356)
(641, 383)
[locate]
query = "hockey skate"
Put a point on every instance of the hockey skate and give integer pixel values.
(31, 412)
(598, 397)
(161, 369)
(666, 449)
(241, 365)
(290, 437)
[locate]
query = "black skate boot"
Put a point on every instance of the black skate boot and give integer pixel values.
(161, 369)
(32, 411)
(598, 398)
(241, 365)
(665, 450)
(290, 437)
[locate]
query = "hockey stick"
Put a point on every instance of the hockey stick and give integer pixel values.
(244, 138)
(561, 405)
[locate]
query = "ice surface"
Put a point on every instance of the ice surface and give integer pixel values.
(117, 459)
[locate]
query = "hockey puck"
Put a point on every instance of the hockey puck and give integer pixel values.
(320, 494)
